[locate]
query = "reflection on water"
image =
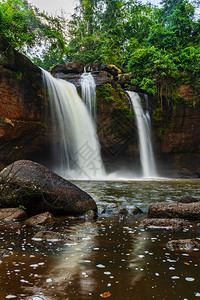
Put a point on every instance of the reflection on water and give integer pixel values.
(112, 255)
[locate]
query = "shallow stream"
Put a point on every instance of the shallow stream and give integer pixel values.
(112, 257)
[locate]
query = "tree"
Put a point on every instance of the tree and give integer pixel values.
(178, 16)
(25, 27)
(155, 71)
(96, 31)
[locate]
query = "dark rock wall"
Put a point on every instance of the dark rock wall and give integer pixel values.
(178, 138)
(22, 105)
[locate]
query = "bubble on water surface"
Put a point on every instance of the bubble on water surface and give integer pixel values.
(100, 266)
(189, 279)
(34, 266)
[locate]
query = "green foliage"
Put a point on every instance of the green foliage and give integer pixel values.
(21, 207)
(96, 32)
(25, 27)
(19, 75)
(160, 46)
(154, 70)
(158, 114)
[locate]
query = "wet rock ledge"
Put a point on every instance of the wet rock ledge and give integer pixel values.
(188, 211)
(175, 216)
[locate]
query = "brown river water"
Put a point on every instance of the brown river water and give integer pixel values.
(111, 257)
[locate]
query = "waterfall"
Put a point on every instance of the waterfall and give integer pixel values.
(88, 92)
(144, 132)
(76, 150)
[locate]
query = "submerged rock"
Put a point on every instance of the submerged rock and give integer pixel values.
(12, 214)
(4, 253)
(186, 245)
(187, 199)
(48, 236)
(38, 189)
(91, 214)
(189, 211)
(167, 224)
(39, 219)
(117, 209)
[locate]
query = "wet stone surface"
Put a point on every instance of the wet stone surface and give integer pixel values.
(39, 219)
(166, 224)
(186, 245)
(48, 236)
(189, 211)
(8, 215)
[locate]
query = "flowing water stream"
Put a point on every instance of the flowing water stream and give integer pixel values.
(110, 257)
(88, 92)
(76, 149)
(144, 132)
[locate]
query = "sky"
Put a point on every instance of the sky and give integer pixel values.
(55, 6)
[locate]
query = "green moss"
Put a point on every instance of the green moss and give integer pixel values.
(115, 97)
(3, 59)
(105, 92)
(158, 114)
(67, 77)
(19, 75)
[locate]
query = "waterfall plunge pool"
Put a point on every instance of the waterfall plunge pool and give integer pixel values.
(112, 257)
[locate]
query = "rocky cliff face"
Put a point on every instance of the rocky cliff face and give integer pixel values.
(115, 121)
(22, 109)
(176, 132)
(178, 138)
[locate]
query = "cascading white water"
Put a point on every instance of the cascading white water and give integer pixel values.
(144, 131)
(77, 150)
(88, 92)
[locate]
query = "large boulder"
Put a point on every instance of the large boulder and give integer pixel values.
(93, 67)
(112, 69)
(70, 67)
(38, 189)
(187, 211)
(198, 173)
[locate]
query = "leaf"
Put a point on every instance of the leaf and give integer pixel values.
(105, 295)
